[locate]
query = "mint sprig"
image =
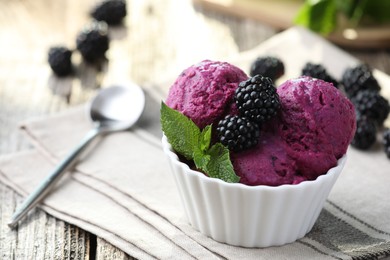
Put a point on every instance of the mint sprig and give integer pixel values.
(194, 144)
(220, 163)
(181, 132)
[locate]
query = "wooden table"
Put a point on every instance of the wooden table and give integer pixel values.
(159, 38)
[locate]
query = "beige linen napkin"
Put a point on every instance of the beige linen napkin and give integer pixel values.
(123, 191)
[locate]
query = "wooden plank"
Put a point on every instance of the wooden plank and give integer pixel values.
(24, 93)
(44, 237)
(106, 251)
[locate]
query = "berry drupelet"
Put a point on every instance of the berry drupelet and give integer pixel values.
(267, 66)
(359, 78)
(237, 133)
(319, 72)
(365, 135)
(386, 141)
(93, 42)
(59, 59)
(372, 105)
(110, 11)
(256, 99)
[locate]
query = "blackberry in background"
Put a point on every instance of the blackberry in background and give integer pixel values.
(365, 135)
(237, 133)
(319, 72)
(267, 66)
(357, 79)
(372, 105)
(386, 142)
(93, 42)
(257, 99)
(59, 59)
(110, 11)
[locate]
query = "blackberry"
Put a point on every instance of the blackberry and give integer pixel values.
(267, 66)
(237, 133)
(372, 105)
(256, 99)
(359, 78)
(110, 11)
(319, 72)
(386, 142)
(93, 42)
(59, 59)
(365, 135)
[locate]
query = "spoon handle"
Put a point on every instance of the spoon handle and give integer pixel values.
(49, 182)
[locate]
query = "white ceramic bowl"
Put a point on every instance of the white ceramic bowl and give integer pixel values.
(250, 216)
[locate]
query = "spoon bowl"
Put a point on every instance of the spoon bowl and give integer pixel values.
(117, 108)
(114, 109)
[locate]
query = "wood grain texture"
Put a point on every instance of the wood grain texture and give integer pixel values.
(41, 236)
(106, 251)
(159, 38)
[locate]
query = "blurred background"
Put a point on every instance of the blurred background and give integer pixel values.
(156, 40)
(357, 24)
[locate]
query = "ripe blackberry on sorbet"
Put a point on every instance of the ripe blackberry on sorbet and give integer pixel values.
(357, 79)
(319, 72)
(59, 59)
(237, 133)
(386, 141)
(257, 99)
(110, 11)
(372, 105)
(93, 42)
(365, 135)
(267, 66)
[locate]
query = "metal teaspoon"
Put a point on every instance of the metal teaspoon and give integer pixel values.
(114, 109)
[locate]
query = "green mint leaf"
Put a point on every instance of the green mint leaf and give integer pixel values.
(187, 140)
(318, 15)
(348, 7)
(205, 138)
(219, 165)
(201, 159)
(358, 11)
(378, 11)
(303, 16)
(182, 133)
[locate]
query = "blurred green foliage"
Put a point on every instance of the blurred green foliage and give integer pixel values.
(323, 16)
